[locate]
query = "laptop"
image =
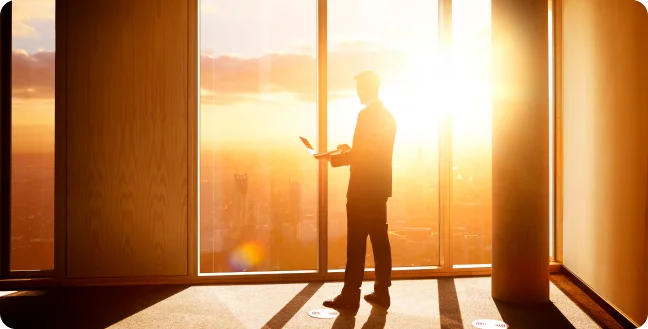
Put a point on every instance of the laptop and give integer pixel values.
(312, 151)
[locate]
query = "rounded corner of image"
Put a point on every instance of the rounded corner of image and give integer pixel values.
(3, 6)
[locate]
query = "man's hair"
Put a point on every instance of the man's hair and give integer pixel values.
(368, 79)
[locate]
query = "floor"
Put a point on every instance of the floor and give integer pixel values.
(431, 303)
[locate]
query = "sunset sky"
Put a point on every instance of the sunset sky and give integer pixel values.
(258, 70)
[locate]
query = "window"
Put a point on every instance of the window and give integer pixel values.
(398, 40)
(471, 205)
(258, 184)
(32, 138)
(471, 110)
(260, 191)
(259, 199)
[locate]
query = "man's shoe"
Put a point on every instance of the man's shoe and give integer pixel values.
(342, 302)
(380, 299)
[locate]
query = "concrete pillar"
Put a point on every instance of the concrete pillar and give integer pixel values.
(520, 272)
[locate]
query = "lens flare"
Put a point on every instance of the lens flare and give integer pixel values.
(246, 256)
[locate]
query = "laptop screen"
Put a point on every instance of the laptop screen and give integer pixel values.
(308, 145)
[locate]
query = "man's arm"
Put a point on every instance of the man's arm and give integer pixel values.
(342, 159)
(347, 158)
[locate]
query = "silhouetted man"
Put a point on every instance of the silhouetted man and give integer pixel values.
(370, 185)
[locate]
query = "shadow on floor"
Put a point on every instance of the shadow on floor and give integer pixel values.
(346, 320)
(539, 316)
(377, 319)
(449, 310)
(80, 307)
(294, 305)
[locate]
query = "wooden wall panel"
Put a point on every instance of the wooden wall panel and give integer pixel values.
(126, 138)
(605, 154)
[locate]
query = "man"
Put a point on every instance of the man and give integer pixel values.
(370, 185)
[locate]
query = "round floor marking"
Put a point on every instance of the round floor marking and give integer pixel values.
(324, 313)
(489, 324)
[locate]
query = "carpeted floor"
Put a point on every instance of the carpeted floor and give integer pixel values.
(432, 303)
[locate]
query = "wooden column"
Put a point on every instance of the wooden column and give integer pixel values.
(127, 112)
(520, 269)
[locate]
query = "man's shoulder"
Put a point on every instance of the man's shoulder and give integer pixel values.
(376, 110)
(385, 113)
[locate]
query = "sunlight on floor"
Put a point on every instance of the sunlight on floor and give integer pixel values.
(415, 304)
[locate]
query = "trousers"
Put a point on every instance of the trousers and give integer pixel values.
(367, 217)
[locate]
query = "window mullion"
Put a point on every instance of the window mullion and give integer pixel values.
(322, 118)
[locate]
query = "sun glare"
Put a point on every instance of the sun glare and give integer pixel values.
(418, 98)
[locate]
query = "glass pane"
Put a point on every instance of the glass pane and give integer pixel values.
(258, 184)
(396, 39)
(471, 195)
(32, 108)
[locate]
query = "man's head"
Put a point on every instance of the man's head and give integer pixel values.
(367, 86)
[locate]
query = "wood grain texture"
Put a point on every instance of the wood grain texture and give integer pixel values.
(60, 142)
(127, 138)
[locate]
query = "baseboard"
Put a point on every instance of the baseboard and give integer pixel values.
(608, 307)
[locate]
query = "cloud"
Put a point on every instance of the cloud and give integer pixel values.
(226, 76)
(26, 12)
(228, 79)
(23, 30)
(32, 75)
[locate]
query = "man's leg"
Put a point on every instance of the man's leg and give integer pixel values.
(356, 250)
(378, 233)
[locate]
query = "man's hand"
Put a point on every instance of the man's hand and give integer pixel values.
(344, 148)
(325, 156)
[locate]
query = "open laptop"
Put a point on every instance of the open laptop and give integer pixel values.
(312, 151)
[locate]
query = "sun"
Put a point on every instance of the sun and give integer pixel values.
(436, 83)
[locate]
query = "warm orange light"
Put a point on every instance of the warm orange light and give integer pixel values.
(247, 255)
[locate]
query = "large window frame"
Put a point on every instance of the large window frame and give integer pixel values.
(446, 267)
(6, 122)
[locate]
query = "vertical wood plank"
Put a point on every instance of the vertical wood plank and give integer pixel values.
(127, 138)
